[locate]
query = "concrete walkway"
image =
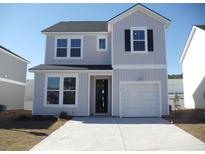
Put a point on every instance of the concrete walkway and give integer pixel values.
(101, 133)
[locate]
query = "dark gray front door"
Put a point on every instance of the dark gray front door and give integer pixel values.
(101, 96)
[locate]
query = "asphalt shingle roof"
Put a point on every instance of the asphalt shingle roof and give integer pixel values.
(78, 26)
(201, 26)
(71, 67)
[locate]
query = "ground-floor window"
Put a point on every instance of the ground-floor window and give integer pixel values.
(61, 90)
(69, 90)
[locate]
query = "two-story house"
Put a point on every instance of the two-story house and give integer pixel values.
(115, 67)
(13, 70)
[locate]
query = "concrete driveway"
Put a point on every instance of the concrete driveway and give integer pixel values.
(101, 133)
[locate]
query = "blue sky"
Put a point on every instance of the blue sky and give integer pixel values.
(21, 25)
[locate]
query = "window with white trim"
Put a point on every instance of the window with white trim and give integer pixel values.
(75, 47)
(62, 45)
(53, 90)
(61, 90)
(69, 90)
(139, 39)
(101, 44)
(68, 48)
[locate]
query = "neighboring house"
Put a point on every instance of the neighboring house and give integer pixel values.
(115, 67)
(13, 70)
(193, 64)
(175, 89)
(28, 104)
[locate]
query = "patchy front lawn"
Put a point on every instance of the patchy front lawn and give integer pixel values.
(23, 134)
(192, 121)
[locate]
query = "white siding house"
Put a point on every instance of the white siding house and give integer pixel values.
(193, 64)
(13, 70)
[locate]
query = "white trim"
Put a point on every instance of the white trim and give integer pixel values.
(61, 76)
(14, 56)
(112, 62)
(72, 71)
(140, 8)
(106, 43)
(88, 94)
(149, 66)
(112, 98)
(73, 33)
(101, 73)
(145, 39)
(69, 46)
(89, 90)
(141, 82)
(111, 44)
(12, 81)
(187, 44)
(166, 78)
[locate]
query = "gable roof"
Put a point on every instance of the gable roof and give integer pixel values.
(144, 9)
(13, 54)
(78, 26)
(102, 26)
(202, 27)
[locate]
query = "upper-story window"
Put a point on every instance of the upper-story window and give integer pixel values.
(69, 48)
(101, 44)
(62, 45)
(75, 48)
(139, 39)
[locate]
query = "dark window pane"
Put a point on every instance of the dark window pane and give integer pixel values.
(53, 97)
(75, 52)
(62, 43)
(139, 45)
(61, 52)
(102, 43)
(69, 83)
(69, 97)
(75, 42)
(53, 83)
(138, 35)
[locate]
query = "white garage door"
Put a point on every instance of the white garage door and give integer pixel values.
(140, 100)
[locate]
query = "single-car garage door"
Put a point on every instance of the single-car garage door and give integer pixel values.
(139, 100)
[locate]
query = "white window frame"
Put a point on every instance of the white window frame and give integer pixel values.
(81, 48)
(56, 47)
(69, 46)
(61, 90)
(47, 90)
(131, 38)
(67, 90)
(106, 43)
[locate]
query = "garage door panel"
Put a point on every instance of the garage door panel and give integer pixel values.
(140, 112)
(140, 100)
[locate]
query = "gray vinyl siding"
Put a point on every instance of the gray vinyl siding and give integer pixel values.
(146, 75)
(12, 68)
(121, 57)
(89, 52)
(12, 95)
(39, 93)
